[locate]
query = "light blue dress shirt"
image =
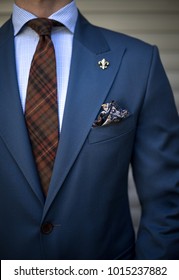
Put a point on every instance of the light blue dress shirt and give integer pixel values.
(26, 41)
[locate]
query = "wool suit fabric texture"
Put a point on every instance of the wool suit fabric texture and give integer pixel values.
(86, 214)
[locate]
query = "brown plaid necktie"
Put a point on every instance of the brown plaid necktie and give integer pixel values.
(41, 111)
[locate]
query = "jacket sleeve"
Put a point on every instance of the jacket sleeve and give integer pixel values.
(156, 168)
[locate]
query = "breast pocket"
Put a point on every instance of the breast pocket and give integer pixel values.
(112, 131)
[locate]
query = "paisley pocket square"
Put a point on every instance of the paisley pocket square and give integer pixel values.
(110, 113)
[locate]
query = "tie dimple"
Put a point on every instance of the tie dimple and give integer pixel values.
(43, 26)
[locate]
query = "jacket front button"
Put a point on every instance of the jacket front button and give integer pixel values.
(47, 228)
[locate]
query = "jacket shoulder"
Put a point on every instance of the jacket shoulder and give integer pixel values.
(6, 30)
(92, 35)
(114, 38)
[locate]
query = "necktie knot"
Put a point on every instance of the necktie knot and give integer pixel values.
(42, 26)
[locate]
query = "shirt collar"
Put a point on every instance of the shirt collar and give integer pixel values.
(67, 16)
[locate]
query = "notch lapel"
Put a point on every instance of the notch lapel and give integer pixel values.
(12, 125)
(88, 88)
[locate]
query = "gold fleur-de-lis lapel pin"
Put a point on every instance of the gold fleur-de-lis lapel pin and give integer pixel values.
(103, 64)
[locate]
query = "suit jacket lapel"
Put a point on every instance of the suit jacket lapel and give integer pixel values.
(87, 90)
(12, 125)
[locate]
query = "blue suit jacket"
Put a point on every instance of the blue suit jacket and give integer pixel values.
(86, 214)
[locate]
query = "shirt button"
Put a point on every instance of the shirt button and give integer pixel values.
(47, 228)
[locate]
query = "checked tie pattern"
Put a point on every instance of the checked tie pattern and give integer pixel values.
(41, 110)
